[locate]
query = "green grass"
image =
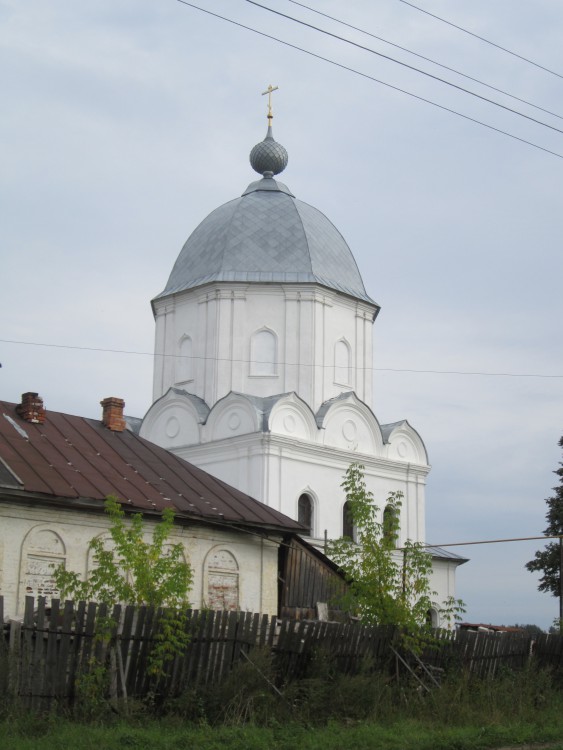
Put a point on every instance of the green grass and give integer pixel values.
(167, 735)
(326, 711)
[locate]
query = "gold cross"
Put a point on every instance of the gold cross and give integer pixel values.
(269, 92)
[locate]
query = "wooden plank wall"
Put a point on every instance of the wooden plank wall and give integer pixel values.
(42, 655)
(306, 581)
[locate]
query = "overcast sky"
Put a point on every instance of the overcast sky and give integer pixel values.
(125, 122)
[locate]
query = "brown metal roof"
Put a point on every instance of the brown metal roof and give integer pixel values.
(74, 458)
(492, 628)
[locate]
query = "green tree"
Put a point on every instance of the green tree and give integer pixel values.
(530, 628)
(547, 561)
(134, 570)
(386, 586)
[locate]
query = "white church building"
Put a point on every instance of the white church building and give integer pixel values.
(263, 366)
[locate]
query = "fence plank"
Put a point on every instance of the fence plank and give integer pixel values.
(52, 637)
(125, 641)
(138, 622)
(223, 664)
(52, 651)
(205, 647)
(214, 647)
(230, 643)
(142, 677)
(65, 655)
(77, 647)
(38, 658)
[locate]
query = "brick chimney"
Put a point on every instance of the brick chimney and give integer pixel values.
(112, 416)
(31, 408)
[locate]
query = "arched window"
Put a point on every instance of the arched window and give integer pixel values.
(222, 580)
(263, 353)
(305, 512)
(432, 618)
(348, 529)
(342, 357)
(184, 361)
(43, 551)
(391, 525)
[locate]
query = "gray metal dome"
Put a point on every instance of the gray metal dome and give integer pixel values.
(268, 156)
(266, 236)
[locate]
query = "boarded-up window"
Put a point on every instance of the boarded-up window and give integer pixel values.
(43, 551)
(222, 581)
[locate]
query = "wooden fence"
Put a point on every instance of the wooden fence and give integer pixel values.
(43, 655)
(481, 653)
(548, 651)
(51, 647)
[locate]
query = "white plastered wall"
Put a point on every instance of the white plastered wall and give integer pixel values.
(296, 455)
(257, 559)
(306, 321)
(442, 580)
(276, 470)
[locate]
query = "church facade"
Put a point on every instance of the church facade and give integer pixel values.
(263, 366)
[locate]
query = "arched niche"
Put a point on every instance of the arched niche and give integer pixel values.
(263, 353)
(42, 551)
(342, 362)
(432, 617)
(184, 364)
(221, 580)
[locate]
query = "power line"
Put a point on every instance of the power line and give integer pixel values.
(285, 364)
(405, 65)
(469, 372)
(486, 541)
(482, 38)
(376, 80)
(427, 59)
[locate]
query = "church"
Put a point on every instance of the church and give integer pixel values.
(263, 366)
(262, 399)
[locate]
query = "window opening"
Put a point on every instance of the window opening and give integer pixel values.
(348, 529)
(390, 525)
(305, 512)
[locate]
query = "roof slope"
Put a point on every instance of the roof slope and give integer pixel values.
(266, 236)
(73, 458)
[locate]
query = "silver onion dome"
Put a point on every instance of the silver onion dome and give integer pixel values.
(268, 156)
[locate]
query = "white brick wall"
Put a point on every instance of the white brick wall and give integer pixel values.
(31, 536)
